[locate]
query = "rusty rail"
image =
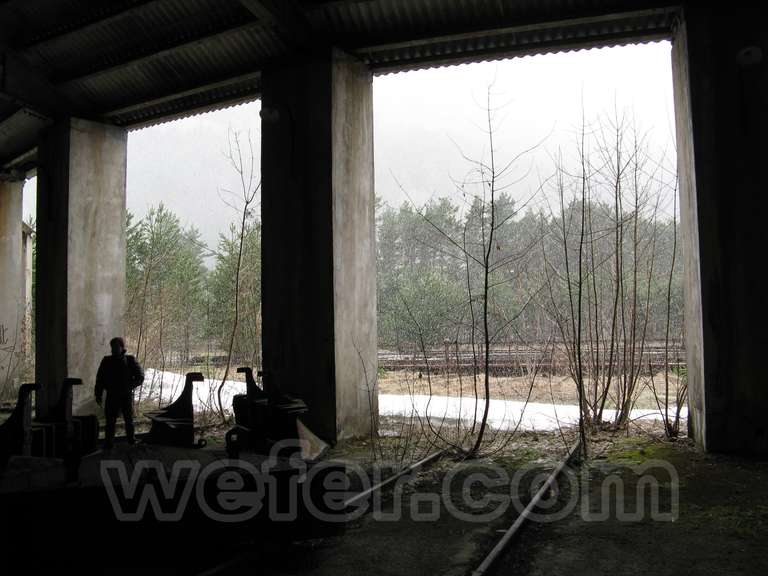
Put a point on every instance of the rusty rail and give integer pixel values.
(502, 544)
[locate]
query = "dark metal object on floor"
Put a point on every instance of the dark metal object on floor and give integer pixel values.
(250, 417)
(61, 434)
(263, 417)
(174, 425)
(252, 388)
(16, 431)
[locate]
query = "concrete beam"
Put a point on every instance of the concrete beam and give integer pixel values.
(80, 253)
(27, 88)
(12, 302)
(721, 93)
(319, 264)
(19, 133)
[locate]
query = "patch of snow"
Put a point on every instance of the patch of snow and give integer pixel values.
(164, 387)
(502, 414)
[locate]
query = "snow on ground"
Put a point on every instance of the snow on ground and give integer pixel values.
(502, 414)
(170, 385)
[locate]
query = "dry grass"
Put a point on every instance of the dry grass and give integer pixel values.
(546, 389)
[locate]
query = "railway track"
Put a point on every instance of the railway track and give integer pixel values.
(501, 546)
(513, 361)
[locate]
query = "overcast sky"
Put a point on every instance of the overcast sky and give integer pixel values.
(423, 120)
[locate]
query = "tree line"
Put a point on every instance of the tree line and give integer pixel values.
(424, 281)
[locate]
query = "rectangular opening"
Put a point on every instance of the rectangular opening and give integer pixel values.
(193, 259)
(529, 246)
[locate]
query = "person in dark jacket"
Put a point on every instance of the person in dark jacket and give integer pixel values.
(118, 375)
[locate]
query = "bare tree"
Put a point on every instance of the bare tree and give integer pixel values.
(485, 262)
(671, 421)
(243, 163)
(606, 236)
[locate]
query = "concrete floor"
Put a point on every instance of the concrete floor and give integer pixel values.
(721, 526)
(446, 546)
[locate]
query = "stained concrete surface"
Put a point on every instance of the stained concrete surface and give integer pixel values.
(722, 527)
(721, 81)
(80, 248)
(319, 281)
(11, 281)
(448, 546)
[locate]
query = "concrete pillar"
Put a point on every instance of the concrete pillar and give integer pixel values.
(11, 284)
(80, 288)
(721, 93)
(27, 255)
(319, 260)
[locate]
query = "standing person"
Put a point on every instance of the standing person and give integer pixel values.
(118, 374)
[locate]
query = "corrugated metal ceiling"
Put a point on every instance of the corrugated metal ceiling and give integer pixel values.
(132, 62)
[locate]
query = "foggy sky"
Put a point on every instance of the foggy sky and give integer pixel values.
(423, 122)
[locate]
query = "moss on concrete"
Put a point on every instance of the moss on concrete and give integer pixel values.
(635, 453)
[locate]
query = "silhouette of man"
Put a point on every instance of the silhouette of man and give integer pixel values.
(118, 375)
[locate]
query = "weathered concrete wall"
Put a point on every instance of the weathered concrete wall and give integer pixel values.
(318, 260)
(689, 227)
(27, 255)
(11, 283)
(81, 253)
(51, 266)
(96, 262)
(723, 183)
(354, 246)
(297, 281)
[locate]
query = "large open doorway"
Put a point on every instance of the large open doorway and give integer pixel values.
(193, 257)
(529, 246)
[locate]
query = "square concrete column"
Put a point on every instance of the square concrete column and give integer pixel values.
(319, 258)
(721, 98)
(12, 301)
(80, 289)
(27, 256)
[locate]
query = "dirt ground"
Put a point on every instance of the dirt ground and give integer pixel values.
(544, 389)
